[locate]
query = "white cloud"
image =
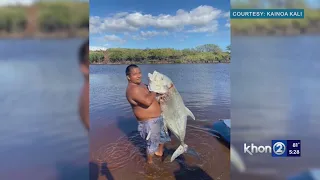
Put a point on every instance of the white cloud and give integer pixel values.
(16, 2)
(227, 15)
(202, 18)
(97, 48)
(144, 35)
(99, 25)
(209, 28)
(114, 38)
(121, 14)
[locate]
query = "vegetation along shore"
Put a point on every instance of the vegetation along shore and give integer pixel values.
(208, 53)
(63, 19)
(309, 25)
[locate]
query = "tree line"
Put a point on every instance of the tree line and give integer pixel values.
(309, 25)
(45, 17)
(208, 53)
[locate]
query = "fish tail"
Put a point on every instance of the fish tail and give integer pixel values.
(236, 160)
(189, 113)
(180, 150)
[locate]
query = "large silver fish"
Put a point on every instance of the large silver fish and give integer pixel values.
(174, 111)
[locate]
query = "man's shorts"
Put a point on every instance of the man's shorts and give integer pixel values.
(157, 135)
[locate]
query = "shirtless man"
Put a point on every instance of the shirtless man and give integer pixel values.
(84, 98)
(147, 110)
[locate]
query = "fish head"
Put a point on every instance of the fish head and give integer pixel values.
(150, 76)
(158, 82)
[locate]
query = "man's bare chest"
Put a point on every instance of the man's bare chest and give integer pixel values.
(144, 88)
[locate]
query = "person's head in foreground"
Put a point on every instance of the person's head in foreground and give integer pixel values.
(84, 98)
(84, 59)
(133, 74)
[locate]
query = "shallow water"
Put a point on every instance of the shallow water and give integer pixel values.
(116, 149)
(41, 136)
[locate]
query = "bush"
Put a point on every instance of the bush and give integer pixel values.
(52, 17)
(96, 57)
(208, 53)
(12, 19)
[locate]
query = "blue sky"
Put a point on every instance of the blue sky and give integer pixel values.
(158, 24)
(314, 3)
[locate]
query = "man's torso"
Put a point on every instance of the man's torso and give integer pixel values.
(143, 113)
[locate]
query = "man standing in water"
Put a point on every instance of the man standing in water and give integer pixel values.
(147, 110)
(84, 98)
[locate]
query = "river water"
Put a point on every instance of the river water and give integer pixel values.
(117, 151)
(275, 85)
(41, 137)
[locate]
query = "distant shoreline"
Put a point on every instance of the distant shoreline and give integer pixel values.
(204, 54)
(45, 20)
(39, 35)
(274, 31)
(149, 63)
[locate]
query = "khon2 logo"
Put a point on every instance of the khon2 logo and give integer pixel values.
(278, 148)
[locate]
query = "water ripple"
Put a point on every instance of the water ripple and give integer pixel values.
(205, 90)
(129, 152)
(39, 96)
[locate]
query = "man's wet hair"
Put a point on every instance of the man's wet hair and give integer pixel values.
(128, 69)
(84, 52)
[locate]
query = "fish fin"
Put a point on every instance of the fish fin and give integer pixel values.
(148, 136)
(165, 127)
(189, 113)
(236, 160)
(180, 150)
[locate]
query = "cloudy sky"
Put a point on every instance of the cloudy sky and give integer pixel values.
(26, 2)
(158, 24)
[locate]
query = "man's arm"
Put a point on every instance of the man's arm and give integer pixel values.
(145, 99)
(84, 106)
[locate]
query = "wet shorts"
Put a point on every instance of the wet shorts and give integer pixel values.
(157, 136)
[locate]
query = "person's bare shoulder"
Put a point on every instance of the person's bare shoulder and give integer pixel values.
(132, 91)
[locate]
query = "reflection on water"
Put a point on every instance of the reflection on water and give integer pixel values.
(114, 140)
(41, 136)
(275, 95)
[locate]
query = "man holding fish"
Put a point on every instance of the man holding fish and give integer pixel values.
(146, 108)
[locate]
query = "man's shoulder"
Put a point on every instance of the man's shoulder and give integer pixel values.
(133, 89)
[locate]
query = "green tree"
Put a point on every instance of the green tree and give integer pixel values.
(228, 48)
(209, 48)
(205, 54)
